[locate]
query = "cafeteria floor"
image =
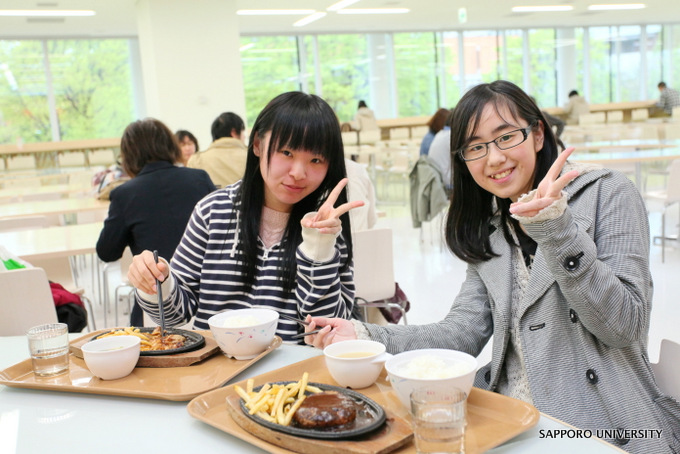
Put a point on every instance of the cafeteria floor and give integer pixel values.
(431, 276)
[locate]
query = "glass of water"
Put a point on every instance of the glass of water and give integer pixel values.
(49, 349)
(439, 419)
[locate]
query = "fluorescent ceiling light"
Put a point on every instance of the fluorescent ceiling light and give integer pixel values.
(45, 12)
(309, 19)
(374, 11)
(341, 4)
(617, 7)
(541, 9)
(274, 12)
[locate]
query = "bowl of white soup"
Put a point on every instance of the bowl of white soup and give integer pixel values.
(419, 368)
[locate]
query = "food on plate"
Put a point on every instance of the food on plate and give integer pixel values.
(240, 321)
(150, 341)
(276, 403)
(326, 410)
(430, 366)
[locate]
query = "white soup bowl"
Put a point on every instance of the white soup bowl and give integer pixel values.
(113, 357)
(244, 333)
(355, 364)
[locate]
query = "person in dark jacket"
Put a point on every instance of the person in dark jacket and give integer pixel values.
(151, 210)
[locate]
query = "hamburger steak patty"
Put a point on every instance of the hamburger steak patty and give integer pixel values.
(325, 410)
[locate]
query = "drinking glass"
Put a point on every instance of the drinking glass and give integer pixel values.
(49, 349)
(439, 419)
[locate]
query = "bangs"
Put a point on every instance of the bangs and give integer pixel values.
(306, 129)
(499, 102)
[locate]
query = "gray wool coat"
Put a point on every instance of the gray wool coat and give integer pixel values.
(584, 317)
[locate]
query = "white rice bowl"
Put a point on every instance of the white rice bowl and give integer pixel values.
(414, 369)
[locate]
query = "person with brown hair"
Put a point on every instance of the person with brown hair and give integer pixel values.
(151, 210)
(436, 124)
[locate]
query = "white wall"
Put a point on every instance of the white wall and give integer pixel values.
(191, 64)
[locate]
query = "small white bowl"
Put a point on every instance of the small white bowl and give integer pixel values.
(404, 385)
(252, 331)
(111, 357)
(357, 363)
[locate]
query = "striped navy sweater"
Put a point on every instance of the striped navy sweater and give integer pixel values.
(205, 276)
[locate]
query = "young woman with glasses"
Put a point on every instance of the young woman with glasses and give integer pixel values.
(558, 273)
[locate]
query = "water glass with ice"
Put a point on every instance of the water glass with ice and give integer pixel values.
(48, 345)
(439, 419)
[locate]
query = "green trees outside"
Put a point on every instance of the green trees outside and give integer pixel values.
(415, 67)
(91, 86)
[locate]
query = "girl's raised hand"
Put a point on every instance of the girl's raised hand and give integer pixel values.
(334, 330)
(327, 219)
(144, 271)
(549, 189)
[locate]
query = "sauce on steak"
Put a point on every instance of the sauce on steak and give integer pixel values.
(326, 410)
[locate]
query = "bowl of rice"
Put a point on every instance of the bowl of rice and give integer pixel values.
(415, 369)
(244, 333)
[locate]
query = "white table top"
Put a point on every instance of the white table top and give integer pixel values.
(60, 206)
(53, 242)
(68, 423)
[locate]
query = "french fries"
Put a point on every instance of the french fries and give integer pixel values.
(276, 403)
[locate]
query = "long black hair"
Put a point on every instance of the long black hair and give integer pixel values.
(468, 223)
(297, 121)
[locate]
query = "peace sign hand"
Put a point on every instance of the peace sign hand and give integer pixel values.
(549, 189)
(327, 219)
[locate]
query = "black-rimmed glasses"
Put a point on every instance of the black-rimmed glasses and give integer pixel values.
(504, 142)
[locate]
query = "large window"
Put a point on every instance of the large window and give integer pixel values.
(600, 58)
(450, 72)
(345, 72)
(513, 52)
(415, 66)
(24, 112)
(543, 66)
(481, 57)
(64, 89)
(270, 67)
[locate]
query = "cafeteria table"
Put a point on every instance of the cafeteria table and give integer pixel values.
(52, 207)
(61, 422)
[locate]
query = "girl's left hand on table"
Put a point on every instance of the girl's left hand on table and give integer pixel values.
(327, 218)
(549, 189)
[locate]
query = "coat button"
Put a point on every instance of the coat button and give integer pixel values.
(573, 262)
(573, 316)
(487, 376)
(621, 441)
(592, 376)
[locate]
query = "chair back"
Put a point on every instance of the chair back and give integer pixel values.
(373, 264)
(675, 112)
(400, 133)
(615, 116)
(667, 370)
(370, 136)
(25, 301)
(673, 185)
(639, 114)
(350, 138)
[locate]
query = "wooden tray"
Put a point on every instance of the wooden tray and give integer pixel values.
(176, 360)
(492, 418)
(176, 383)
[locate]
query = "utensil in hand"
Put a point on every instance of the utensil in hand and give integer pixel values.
(288, 317)
(301, 335)
(160, 299)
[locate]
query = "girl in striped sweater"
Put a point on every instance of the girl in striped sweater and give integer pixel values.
(274, 239)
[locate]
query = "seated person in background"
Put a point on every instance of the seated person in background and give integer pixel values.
(188, 144)
(151, 210)
(364, 119)
(435, 125)
(440, 154)
(274, 239)
(668, 98)
(360, 187)
(576, 106)
(558, 272)
(225, 158)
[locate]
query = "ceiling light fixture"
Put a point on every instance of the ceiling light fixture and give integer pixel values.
(309, 19)
(541, 9)
(46, 12)
(374, 11)
(274, 12)
(341, 4)
(622, 6)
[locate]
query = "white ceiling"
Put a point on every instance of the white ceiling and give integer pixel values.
(117, 17)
